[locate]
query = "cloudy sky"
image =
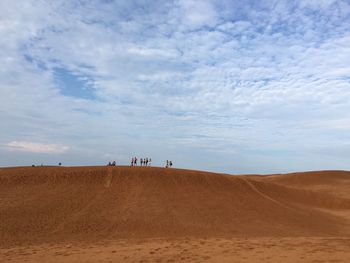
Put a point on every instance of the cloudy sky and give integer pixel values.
(228, 86)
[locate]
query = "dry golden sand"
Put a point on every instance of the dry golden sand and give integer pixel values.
(291, 250)
(134, 214)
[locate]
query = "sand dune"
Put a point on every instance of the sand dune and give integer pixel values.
(48, 203)
(40, 205)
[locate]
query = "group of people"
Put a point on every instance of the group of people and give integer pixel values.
(33, 165)
(143, 162)
(169, 164)
(112, 163)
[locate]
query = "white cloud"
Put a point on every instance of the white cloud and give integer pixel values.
(198, 13)
(36, 147)
(152, 52)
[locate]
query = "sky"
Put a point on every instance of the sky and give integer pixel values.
(226, 86)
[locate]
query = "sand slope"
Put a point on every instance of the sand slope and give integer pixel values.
(49, 204)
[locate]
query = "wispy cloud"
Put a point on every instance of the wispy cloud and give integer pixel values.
(37, 147)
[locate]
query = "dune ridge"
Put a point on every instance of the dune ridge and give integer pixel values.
(43, 204)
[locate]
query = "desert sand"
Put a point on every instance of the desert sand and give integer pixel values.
(144, 214)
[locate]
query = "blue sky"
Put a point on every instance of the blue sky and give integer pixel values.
(227, 86)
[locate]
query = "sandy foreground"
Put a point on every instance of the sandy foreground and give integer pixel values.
(143, 214)
(302, 249)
